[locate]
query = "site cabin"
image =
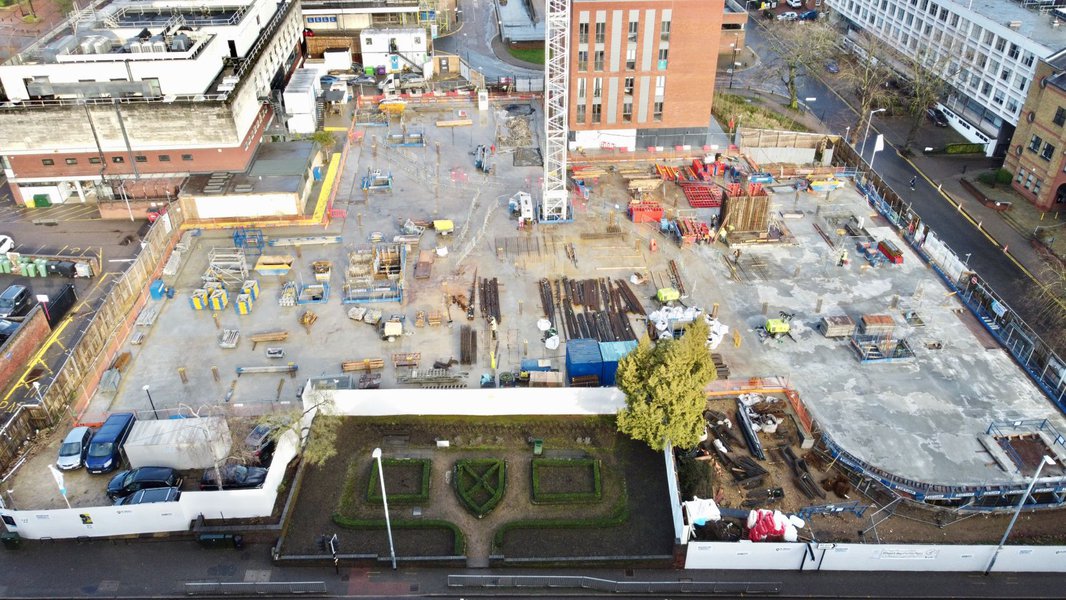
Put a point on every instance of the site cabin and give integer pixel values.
(891, 252)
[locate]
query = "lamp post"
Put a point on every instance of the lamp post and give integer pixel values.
(733, 63)
(152, 404)
(388, 524)
(1046, 460)
(867, 134)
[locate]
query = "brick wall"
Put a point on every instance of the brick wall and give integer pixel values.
(1037, 117)
(19, 348)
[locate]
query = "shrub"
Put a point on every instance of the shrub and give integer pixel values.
(542, 465)
(1003, 176)
(618, 516)
(987, 178)
(373, 492)
(458, 549)
(695, 478)
(479, 483)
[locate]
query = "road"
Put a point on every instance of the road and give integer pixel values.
(985, 257)
(473, 42)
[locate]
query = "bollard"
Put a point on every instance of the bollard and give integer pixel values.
(215, 374)
(818, 307)
(218, 323)
(181, 373)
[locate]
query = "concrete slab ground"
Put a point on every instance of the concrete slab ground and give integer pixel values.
(919, 420)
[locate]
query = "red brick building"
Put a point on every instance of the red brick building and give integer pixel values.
(1037, 155)
(642, 72)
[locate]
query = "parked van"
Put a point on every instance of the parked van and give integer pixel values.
(105, 449)
(14, 301)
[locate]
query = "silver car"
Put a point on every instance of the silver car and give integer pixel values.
(72, 452)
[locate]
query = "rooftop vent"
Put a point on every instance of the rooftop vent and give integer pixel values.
(1015, 25)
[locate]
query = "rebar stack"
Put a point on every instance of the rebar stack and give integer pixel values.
(490, 299)
(467, 345)
(594, 308)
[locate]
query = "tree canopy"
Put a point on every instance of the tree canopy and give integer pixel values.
(321, 442)
(664, 387)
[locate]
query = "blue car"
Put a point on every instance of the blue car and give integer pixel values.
(808, 15)
(328, 80)
(105, 448)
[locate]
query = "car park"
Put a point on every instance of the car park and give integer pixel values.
(795, 3)
(832, 66)
(260, 444)
(72, 451)
(105, 448)
(234, 477)
(15, 301)
(363, 80)
(150, 496)
(787, 16)
(937, 116)
(127, 482)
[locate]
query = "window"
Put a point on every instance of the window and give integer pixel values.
(118, 160)
(1048, 153)
(596, 111)
(1028, 181)
(660, 85)
(1012, 106)
(1020, 177)
(1036, 187)
(664, 31)
(47, 162)
(627, 111)
(1035, 143)
(1014, 51)
(631, 59)
(580, 89)
(657, 113)
(582, 60)
(1027, 59)
(632, 31)
(1005, 74)
(1000, 44)
(628, 88)
(71, 161)
(1060, 116)
(141, 158)
(163, 158)
(186, 157)
(582, 33)
(94, 160)
(998, 98)
(986, 88)
(601, 32)
(580, 117)
(368, 41)
(664, 54)
(598, 60)
(989, 37)
(597, 87)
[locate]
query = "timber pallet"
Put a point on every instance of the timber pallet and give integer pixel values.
(268, 336)
(364, 364)
(406, 359)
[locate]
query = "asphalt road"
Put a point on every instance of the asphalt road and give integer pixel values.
(473, 42)
(986, 258)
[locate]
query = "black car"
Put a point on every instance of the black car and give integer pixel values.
(937, 117)
(150, 496)
(234, 477)
(126, 482)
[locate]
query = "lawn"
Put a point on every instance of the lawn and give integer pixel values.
(530, 55)
(752, 112)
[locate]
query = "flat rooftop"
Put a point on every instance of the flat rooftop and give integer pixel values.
(1033, 24)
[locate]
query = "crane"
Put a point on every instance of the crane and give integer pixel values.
(555, 206)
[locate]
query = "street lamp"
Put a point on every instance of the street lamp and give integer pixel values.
(867, 134)
(733, 65)
(1046, 460)
(388, 524)
(152, 404)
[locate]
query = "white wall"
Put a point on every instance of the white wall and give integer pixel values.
(247, 205)
(610, 138)
(105, 521)
(872, 557)
(482, 402)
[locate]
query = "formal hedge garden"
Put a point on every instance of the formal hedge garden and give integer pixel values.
(480, 484)
(566, 480)
(406, 479)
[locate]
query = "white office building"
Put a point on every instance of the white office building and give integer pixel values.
(988, 49)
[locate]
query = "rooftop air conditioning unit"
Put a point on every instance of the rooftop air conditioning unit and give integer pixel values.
(136, 47)
(1015, 25)
(159, 46)
(88, 46)
(102, 45)
(180, 43)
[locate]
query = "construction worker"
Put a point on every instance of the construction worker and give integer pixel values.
(914, 182)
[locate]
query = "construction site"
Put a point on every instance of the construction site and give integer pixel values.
(850, 377)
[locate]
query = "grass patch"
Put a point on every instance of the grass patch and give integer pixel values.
(530, 55)
(555, 480)
(458, 549)
(480, 482)
(618, 516)
(752, 113)
(407, 480)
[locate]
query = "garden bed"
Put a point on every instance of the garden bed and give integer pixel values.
(566, 480)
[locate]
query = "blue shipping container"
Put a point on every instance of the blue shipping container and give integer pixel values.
(583, 358)
(156, 289)
(611, 353)
(536, 364)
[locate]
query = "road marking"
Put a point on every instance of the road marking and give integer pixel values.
(52, 339)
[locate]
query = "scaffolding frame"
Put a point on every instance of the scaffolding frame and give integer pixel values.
(554, 206)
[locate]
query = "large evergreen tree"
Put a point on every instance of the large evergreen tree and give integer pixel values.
(664, 387)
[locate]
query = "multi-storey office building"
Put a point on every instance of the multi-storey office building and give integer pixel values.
(131, 96)
(986, 50)
(642, 72)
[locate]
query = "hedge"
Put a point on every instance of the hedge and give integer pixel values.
(618, 516)
(373, 492)
(458, 549)
(541, 497)
(476, 474)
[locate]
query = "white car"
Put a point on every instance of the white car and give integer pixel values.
(6, 244)
(787, 16)
(795, 3)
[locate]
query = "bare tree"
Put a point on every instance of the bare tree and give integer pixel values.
(1046, 304)
(798, 45)
(866, 73)
(926, 84)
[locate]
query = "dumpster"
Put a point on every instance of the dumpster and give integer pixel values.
(10, 540)
(221, 540)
